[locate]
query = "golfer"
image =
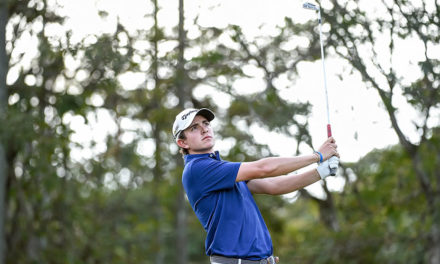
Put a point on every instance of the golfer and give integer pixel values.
(220, 192)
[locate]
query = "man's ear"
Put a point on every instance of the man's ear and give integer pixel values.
(182, 143)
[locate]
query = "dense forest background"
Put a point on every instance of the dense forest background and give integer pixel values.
(89, 172)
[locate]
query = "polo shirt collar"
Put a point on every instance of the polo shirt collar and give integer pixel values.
(190, 157)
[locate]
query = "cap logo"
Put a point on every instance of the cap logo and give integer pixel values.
(187, 114)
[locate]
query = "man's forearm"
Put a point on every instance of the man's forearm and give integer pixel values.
(283, 184)
(274, 166)
(281, 166)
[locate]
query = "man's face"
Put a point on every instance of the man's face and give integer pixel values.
(199, 137)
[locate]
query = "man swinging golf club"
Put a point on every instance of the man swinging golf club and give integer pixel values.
(220, 192)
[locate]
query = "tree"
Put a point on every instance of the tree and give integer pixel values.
(354, 36)
(32, 115)
(3, 108)
(183, 91)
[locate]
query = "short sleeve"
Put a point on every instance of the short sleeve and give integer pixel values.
(206, 175)
(215, 175)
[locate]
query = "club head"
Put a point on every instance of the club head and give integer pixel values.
(310, 6)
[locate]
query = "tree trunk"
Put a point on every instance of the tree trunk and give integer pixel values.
(157, 210)
(182, 93)
(3, 107)
(182, 255)
(157, 172)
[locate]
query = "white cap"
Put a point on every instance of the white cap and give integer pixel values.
(185, 118)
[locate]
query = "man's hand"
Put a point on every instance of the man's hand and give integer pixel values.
(324, 167)
(329, 149)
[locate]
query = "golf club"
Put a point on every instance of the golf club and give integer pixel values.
(310, 6)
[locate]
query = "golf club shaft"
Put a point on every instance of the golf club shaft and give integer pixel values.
(329, 128)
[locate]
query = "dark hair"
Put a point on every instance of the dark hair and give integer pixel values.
(183, 151)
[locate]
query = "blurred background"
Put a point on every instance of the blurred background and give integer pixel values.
(89, 89)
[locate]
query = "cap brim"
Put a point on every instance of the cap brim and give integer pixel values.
(208, 114)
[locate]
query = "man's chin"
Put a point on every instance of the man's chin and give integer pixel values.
(209, 149)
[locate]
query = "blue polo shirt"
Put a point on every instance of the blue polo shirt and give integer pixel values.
(225, 208)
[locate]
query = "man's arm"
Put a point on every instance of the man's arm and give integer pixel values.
(283, 184)
(277, 166)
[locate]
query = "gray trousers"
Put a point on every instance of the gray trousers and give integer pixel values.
(224, 260)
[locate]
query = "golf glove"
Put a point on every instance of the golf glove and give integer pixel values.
(324, 167)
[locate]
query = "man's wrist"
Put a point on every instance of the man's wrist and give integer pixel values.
(318, 174)
(318, 156)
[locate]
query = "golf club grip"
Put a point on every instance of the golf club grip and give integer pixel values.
(329, 134)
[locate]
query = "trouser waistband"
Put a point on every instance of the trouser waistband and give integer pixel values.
(224, 260)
